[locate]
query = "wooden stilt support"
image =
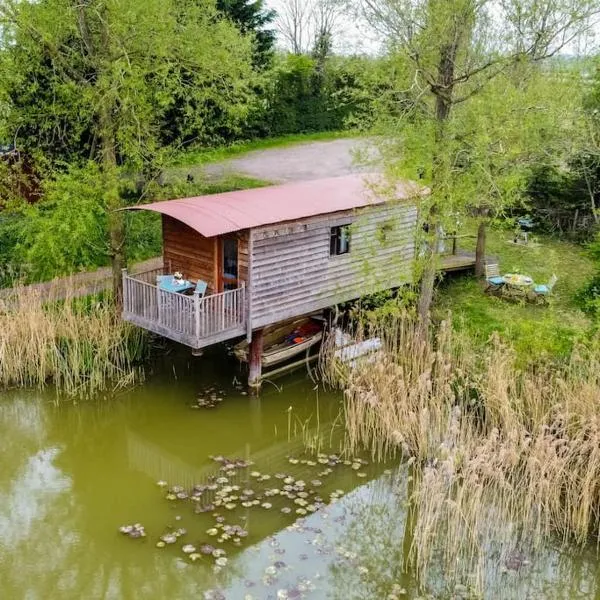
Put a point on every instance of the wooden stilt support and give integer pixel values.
(255, 361)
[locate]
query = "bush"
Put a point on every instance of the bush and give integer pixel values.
(66, 231)
(303, 94)
(588, 297)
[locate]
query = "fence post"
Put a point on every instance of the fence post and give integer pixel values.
(197, 314)
(125, 291)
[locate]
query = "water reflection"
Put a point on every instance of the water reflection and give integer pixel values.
(72, 474)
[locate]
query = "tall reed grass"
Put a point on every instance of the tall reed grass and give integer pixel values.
(502, 460)
(78, 344)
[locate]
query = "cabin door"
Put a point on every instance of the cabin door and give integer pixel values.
(228, 267)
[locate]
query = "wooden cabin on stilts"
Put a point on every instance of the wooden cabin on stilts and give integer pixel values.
(254, 258)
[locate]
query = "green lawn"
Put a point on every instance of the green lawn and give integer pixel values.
(534, 330)
(204, 156)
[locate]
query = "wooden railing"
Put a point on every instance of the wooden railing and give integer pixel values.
(221, 312)
(149, 276)
(140, 298)
(454, 237)
(192, 320)
(176, 312)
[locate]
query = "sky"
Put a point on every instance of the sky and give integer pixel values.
(350, 37)
(353, 36)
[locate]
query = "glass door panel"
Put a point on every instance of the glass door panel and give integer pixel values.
(229, 273)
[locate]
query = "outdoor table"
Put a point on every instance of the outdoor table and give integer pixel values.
(517, 285)
(170, 284)
(517, 280)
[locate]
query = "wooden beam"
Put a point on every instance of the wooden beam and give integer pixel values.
(255, 361)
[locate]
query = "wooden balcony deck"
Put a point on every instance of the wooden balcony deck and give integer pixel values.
(190, 320)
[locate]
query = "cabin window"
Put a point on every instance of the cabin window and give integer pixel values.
(339, 242)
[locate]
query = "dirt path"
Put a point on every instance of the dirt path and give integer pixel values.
(313, 160)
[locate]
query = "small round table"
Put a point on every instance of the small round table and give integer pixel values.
(517, 280)
(517, 286)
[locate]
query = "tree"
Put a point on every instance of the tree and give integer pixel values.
(114, 68)
(325, 14)
(309, 25)
(450, 51)
(293, 23)
(252, 17)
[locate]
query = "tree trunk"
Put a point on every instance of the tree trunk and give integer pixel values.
(443, 91)
(480, 250)
(108, 162)
(427, 287)
(106, 137)
(112, 201)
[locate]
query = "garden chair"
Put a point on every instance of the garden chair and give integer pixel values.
(201, 287)
(542, 291)
(493, 279)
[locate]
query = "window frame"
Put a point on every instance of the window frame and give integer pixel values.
(340, 240)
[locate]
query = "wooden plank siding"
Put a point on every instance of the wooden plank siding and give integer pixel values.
(196, 256)
(292, 272)
(185, 250)
(243, 256)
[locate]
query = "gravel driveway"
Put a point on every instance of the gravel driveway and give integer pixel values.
(314, 160)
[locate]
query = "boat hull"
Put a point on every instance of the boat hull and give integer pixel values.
(277, 353)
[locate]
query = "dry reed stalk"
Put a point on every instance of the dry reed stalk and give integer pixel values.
(503, 459)
(80, 345)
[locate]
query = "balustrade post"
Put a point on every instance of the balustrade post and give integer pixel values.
(158, 311)
(197, 314)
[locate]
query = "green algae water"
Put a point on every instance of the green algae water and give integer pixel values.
(73, 474)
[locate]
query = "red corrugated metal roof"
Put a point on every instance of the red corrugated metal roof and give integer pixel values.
(233, 211)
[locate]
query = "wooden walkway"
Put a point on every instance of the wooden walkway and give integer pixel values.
(461, 261)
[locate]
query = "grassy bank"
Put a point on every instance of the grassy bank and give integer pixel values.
(502, 460)
(204, 156)
(533, 330)
(79, 345)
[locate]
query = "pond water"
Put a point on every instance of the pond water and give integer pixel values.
(73, 473)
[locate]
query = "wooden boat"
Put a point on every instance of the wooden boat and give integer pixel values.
(285, 341)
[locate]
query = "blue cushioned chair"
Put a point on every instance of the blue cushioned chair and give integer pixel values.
(493, 278)
(201, 287)
(542, 291)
